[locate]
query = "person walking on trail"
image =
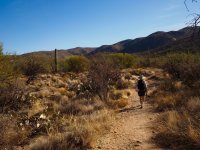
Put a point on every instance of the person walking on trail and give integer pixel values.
(141, 89)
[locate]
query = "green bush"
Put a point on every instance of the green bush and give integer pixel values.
(184, 67)
(74, 64)
(124, 60)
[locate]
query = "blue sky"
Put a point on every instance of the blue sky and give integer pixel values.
(32, 25)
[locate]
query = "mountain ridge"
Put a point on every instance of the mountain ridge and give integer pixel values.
(152, 42)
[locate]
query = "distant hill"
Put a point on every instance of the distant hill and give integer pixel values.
(156, 42)
(153, 41)
(80, 51)
(184, 45)
(62, 53)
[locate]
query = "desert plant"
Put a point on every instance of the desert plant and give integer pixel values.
(103, 73)
(184, 67)
(74, 64)
(32, 67)
(180, 126)
(121, 84)
(124, 60)
(11, 89)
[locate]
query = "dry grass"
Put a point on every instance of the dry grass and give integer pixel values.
(178, 132)
(120, 103)
(194, 104)
(164, 102)
(56, 118)
(11, 134)
(81, 133)
(180, 124)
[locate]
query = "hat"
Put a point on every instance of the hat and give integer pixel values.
(141, 77)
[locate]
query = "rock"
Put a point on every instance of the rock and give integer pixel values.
(43, 76)
(43, 116)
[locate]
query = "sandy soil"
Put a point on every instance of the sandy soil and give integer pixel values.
(133, 128)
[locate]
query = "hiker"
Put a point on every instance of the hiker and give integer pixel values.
(141, 89)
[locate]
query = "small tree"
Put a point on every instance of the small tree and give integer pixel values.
(196, 18)
(103, 73)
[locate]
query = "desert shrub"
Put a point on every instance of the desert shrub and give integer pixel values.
(12, 97)
(103, 73)
(146, 61)
(168, 85)
(180, 126)
(74, 64)
(184, 67)
(45, 63)
(124, 60)
(11, 89)
(121, 84)
(115, 95)
(128, 76)
(153, 60)
(31, 67)
(7, 70)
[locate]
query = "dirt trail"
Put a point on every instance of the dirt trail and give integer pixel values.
(133, 129)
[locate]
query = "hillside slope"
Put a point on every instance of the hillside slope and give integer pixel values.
(153, 41)
(158, 41)
(62, 53)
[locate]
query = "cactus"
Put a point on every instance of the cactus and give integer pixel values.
(56, 62)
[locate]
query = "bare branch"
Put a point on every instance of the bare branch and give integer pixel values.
(185, 2)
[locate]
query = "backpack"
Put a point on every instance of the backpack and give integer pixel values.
(141, 85)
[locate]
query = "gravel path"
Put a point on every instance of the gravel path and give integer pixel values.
(133, 128)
